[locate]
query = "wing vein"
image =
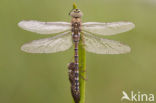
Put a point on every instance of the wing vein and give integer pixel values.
(54, 44)
(103, 46)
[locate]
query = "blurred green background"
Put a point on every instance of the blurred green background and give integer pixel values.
(43, 78)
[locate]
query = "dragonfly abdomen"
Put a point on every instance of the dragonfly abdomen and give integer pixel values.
(76, 60)
(76, 29)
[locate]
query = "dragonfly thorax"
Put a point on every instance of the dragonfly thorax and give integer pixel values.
(76, 13)
(76, 29)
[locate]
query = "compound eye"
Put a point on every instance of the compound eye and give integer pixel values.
(77, 11)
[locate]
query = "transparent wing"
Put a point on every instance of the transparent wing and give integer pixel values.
(107, 28)
(44, 27)
(103, 46)
(54, 44)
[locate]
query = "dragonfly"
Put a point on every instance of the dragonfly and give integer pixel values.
(72, 77)
(69, 34)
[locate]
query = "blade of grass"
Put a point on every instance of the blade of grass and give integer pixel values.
(74, 6)
(82, 70)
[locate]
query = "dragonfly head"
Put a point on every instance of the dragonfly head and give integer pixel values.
(76, 13)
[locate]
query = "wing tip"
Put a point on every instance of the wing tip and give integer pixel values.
(128, 23)
(24, 23)
(132, 25)
(126, 50)
(20, 24)
(26, 49)
(29, 51)
(23, 49)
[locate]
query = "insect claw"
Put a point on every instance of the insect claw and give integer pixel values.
(86, 79)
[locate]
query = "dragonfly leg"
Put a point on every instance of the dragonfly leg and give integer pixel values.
(86, 79)
(82, 71)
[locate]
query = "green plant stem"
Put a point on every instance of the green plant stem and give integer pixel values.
(74, 6)
(82, 70)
